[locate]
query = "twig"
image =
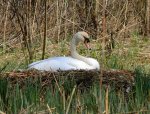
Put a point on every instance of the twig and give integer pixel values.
(106, 101)
(58, 85)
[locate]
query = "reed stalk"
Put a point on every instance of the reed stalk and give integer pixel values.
(73, 91)
(106, 101)
(64, 101)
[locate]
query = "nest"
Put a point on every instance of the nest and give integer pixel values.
(118, 78)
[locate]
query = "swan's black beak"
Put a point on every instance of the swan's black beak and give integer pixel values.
(87, 43)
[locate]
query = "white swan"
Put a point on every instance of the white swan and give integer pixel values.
(75, 62)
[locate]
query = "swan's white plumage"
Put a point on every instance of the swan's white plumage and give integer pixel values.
(75, 62)
(62, 63)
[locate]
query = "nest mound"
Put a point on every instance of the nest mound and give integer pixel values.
(118, 78)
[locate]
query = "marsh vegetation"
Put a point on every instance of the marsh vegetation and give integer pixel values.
(31, 30)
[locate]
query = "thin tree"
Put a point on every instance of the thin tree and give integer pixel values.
(103, 48)
(45, 29)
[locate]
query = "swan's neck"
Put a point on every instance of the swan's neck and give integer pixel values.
(75, 54)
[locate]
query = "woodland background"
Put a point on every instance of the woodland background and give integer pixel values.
(27, 23)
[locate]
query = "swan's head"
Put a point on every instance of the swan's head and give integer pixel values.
(81, 37)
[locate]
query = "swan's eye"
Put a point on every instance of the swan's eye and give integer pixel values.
(86, 40)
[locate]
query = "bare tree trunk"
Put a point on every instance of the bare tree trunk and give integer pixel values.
(125, 18)
(45, 29)
(58, 21)
(29, 11)
(103, 48)
(148, 17)
(104, 20)
(65, 5)
(73, 24)
(95, 21)
(33, 21)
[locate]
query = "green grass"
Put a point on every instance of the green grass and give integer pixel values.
(32, 98)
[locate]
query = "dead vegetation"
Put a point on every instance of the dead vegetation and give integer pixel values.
(121, 79)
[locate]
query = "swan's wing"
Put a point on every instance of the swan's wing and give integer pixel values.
(71, 62)
(35, 63)
(94, 63)
(53, 64)
(60, 63)
(80, 65)
(43, 61)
